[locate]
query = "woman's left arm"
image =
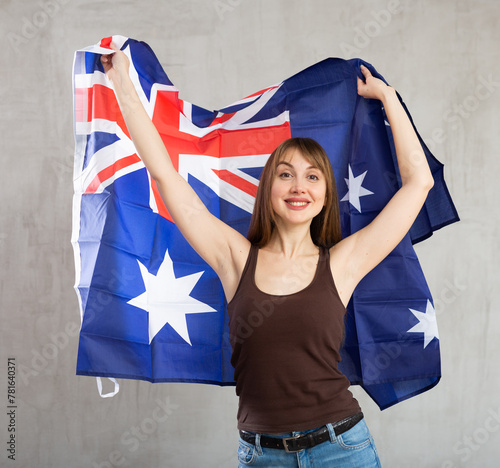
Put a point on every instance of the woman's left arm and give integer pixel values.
(362, 251)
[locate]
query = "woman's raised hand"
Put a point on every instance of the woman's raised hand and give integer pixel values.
(371, 88)
(116, 64)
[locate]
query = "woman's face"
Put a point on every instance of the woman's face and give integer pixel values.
(298, 190)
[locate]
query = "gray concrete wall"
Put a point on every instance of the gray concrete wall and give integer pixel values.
(437, 54)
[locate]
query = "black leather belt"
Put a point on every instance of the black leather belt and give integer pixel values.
(305, 441)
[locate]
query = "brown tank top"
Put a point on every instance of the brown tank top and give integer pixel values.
(285, 354)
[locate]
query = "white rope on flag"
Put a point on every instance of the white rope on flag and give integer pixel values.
(110, 394)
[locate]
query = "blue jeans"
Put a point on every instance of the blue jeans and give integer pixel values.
(352, 449)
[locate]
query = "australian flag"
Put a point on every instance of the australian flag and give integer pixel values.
(151, 308)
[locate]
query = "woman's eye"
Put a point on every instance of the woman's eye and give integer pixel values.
(285, 175)
(313, 177)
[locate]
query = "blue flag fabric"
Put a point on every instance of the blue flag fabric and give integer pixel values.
(151, 308)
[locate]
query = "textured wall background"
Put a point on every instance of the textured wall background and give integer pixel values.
(441, 56)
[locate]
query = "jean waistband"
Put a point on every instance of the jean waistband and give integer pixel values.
(304, 441)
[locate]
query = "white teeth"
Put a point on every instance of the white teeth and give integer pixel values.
(297, 203)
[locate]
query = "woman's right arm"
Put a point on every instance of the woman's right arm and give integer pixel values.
(221, 246)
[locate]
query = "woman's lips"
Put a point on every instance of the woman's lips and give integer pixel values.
(297, 203)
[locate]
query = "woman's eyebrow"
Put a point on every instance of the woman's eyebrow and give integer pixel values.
(291, 165)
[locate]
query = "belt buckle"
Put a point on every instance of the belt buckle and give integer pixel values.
(286, 439)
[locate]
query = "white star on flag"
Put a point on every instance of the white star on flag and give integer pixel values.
(427, 323)
(167, 299)
(355, 190)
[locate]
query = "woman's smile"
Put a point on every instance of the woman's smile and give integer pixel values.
(297, 203)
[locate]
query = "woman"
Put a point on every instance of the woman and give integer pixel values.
(288, 284)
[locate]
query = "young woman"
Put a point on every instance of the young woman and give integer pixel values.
(291, 280)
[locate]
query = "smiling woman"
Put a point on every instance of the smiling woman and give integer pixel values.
(295, 404)
(315, 167)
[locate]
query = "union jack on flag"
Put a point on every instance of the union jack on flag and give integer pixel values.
(151, 308)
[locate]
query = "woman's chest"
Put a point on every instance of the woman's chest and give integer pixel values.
(283, 277)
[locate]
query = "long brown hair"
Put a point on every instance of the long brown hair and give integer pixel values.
(325, 227)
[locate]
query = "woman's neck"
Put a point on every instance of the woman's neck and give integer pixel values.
(291, 243)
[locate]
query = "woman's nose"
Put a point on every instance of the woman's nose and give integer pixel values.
(297, 186)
